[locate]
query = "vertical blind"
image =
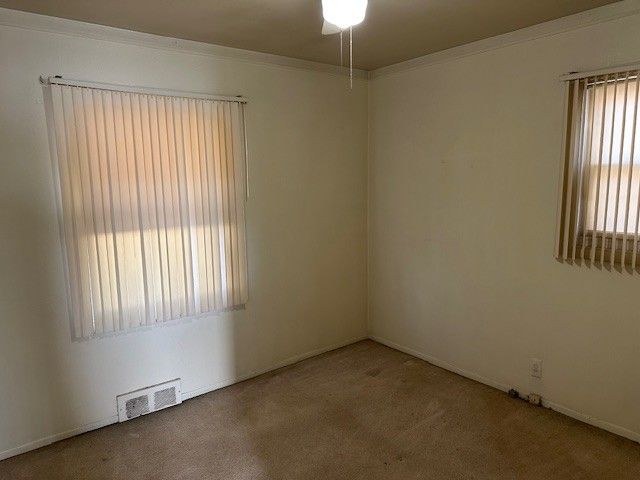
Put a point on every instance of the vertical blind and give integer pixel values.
(152, 193)
(599, 199)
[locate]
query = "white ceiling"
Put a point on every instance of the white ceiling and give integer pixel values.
(394, 30)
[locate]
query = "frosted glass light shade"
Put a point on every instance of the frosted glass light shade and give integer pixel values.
(344, 13)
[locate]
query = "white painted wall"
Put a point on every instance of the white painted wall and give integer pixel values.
(464, 163)
(306, 230)
(462, 198)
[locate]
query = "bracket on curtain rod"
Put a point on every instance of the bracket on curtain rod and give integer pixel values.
(60, 80)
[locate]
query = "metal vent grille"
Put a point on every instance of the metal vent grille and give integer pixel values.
(137, 406)
(149, 399)
(164, 398)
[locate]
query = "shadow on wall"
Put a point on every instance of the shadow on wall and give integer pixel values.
(33, 383)
(31, 370)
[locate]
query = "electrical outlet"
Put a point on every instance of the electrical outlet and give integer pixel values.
(535, 368)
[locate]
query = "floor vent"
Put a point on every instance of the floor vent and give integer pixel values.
(149, 399)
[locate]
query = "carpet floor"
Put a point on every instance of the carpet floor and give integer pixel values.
(361, 412)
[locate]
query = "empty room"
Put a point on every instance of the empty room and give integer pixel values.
(319, 239)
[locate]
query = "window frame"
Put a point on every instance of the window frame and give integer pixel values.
(241, 192)
(575, 242)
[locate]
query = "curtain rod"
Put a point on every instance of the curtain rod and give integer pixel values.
(59, 80)
(603, 71)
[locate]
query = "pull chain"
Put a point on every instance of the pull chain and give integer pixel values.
(351, 58)
(341, 43)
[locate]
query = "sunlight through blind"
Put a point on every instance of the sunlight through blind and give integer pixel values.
(600, 200)
(152, 190)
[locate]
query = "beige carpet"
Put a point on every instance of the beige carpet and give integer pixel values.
(360, 412)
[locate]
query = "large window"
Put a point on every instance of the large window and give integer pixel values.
(600, 201)
(152, 194)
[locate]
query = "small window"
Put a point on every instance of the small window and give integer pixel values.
(600, 190)
(152, 194)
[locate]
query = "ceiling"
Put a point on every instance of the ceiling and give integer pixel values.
(394, 30)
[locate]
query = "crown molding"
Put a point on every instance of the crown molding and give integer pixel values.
(74, 28)
(62, 26)
(587, 18)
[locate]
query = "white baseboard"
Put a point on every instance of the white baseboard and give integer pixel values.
(596, 422)
(186, 395)
(440, 363)
(283, 363)
(42, 442)
(610, 427)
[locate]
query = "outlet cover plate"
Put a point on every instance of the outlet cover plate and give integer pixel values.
(535, 368)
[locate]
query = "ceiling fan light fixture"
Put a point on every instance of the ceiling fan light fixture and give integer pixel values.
(344, 13)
